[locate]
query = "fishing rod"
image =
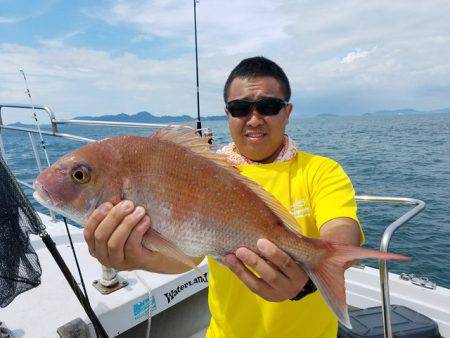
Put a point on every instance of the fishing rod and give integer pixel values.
(199, 122)
(35, 116)
(82, 297)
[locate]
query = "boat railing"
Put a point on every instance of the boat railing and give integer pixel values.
(418, 205)
(54, 123)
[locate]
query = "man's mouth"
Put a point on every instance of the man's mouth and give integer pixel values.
(254, 136)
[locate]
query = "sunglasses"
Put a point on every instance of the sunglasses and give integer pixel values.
(267, 106)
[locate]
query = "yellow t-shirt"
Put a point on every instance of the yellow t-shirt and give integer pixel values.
(315, 189)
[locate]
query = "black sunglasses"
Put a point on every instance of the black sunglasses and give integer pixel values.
(267, 106)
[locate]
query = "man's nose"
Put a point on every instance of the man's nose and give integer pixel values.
(255, 118)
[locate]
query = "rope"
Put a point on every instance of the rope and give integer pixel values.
(149, 293)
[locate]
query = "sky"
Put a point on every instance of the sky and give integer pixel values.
(109, 57)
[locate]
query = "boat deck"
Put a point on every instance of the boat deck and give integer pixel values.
(40, 311)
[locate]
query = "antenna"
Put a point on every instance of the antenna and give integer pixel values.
(199, 122)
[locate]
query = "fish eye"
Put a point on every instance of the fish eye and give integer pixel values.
(80, 175)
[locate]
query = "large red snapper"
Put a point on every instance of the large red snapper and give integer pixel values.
(198, 204)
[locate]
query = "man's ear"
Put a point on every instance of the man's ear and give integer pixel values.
(288, 111)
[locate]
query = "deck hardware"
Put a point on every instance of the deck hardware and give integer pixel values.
(419, 281)
(359, 265)
(4, 332)
(106, 290)
(75, 328)
(109, 282)
(208, 133)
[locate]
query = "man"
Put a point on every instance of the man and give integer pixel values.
(265, 295)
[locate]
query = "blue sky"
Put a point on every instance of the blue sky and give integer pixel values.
(343, 57)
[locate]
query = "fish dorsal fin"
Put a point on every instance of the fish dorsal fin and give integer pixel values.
(190, 140)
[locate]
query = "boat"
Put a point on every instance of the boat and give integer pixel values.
(141, 303)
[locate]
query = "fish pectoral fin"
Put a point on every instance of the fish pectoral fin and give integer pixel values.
(155, 242)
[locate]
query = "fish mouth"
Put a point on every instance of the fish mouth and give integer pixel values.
(43, 196)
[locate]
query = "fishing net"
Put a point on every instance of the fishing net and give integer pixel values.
(19, 263)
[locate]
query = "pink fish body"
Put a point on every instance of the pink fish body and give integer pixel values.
(198, 204)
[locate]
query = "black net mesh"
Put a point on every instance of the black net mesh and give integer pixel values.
(19, 263)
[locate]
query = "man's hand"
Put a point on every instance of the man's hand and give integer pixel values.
(280, 276)
(114, 236)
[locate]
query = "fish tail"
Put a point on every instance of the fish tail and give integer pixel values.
(327, 273)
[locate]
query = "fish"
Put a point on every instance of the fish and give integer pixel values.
(199, 204)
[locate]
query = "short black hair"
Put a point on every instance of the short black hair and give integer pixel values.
(256, 67)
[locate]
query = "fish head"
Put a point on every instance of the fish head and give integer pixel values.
(80, 181)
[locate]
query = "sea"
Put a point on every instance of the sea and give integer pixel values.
(402, 155)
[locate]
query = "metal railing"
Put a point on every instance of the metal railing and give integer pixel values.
(55, 133)
(386, 238)
(384, 246)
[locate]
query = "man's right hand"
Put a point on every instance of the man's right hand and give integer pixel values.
(114, 236)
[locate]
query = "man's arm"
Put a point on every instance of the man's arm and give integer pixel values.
(114, 236)
(341, 230)
(281, 278)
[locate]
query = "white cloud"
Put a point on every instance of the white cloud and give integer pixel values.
(358, 54)
(31, 10)
(230, 27)
(326, 48)
(6, 20)
(141, 37)
(57, 42)
(78, 81)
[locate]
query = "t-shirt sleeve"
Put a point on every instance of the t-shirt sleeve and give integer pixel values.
(333, 195)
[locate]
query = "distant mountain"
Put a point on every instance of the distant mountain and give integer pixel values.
(29, 126)
(215, 118)
(440, 111)
(326, 115)
(146, 117)
(407, 112)
(20, 125)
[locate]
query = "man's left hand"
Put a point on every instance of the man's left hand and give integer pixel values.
(280, 276)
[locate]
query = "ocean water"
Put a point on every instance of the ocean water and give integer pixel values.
(407, 156)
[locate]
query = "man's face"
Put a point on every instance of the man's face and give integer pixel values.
(258, 137)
